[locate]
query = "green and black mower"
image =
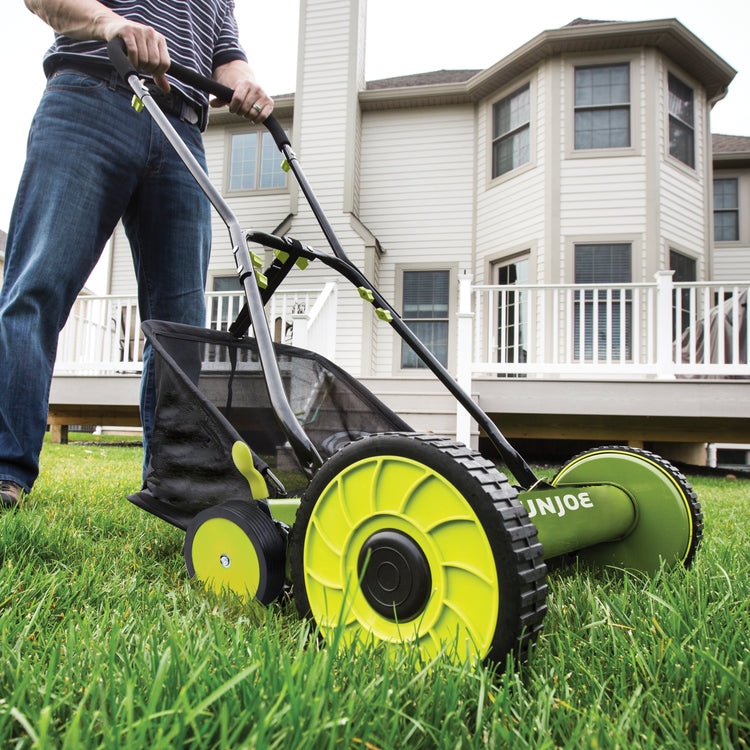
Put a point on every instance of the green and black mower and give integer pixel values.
(388, 535)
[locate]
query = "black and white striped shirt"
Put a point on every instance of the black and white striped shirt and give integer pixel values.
(201, 35)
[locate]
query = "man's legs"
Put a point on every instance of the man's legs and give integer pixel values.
(80, 172)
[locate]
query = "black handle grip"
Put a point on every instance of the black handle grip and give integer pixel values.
(117, 54)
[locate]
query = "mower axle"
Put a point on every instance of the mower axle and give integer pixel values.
(572, 517)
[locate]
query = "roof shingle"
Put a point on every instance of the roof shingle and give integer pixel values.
(730, 144)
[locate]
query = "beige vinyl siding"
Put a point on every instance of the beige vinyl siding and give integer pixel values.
(731, 264)
(602, 195)
(510, 215)
(324, 137)
(121, 274)
(683, 210)
(417, 196)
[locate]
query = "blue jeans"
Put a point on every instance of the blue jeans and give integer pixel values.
(91, 161)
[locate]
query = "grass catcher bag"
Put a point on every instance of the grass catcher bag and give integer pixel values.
(211, 392)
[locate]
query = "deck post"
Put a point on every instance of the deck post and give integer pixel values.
(465, 325)
(664, 339)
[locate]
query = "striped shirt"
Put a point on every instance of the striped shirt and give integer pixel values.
(200, 34)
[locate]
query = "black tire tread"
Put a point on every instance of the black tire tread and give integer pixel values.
(526, 550)
(694, 505)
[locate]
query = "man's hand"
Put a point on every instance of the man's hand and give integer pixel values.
(89, 19)
(146, 48)
(249, 100)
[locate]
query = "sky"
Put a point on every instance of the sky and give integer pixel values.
(403, 37)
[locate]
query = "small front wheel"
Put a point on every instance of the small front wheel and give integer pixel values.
(235, 547)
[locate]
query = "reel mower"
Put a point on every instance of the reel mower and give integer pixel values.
(393, 536)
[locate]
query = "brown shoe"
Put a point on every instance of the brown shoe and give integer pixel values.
(10, 493)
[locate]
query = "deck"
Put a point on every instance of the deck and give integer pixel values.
(552, 363)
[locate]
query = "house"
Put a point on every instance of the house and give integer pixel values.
(583, 157)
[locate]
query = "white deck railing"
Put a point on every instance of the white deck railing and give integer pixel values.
(660, 330)
(103, 333)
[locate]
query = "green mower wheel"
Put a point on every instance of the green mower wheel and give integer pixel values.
(404, 538)
(235, 547)
(669, 521)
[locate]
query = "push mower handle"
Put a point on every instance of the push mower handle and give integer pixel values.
(117, 54)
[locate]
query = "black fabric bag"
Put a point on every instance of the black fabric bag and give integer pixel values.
(210, 393)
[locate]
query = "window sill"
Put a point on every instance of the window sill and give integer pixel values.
(602, 153)
(512, 174)
(729, 244)
(256, 192)
(679, 164)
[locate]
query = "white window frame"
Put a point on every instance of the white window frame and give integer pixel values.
(608, 107)
(489, 118)
(525, 312)
(736, 209)
(670, 117)
(452, 270)
(512, 132)
(260, 134)
(633, 60)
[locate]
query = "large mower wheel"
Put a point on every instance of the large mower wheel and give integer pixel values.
(669, 521)
(416, 539)
(235, 547)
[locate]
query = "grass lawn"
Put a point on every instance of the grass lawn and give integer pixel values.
(104, 642)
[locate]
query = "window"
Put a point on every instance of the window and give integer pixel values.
(681, 126)
(602, 106)
(510, 132)
(685, 269)
(683, 266)
(602, 316)
(726, 209)
(512, 311)
(255, 162)
(425, 311)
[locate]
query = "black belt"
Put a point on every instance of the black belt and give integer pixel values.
(173, 103)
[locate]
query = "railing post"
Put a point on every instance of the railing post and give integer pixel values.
(664, 326)
(300, 323)
(465, 355)
(321, 323)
